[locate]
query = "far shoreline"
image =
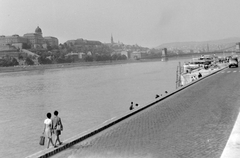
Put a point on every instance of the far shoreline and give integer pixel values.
(71, 65)
(84, 63)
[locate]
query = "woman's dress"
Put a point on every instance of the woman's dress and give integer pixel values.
(48, 129)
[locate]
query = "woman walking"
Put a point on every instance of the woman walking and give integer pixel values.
(48, 129)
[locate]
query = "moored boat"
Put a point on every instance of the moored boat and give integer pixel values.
(204, 61)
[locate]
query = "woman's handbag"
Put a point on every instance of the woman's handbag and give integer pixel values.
(42, 140)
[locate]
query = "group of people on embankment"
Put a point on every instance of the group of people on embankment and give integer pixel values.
(52, 126)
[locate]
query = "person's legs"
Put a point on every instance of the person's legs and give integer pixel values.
(50, 139)
(57, 138)
(48, 143)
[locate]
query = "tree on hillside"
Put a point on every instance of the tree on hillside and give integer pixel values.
(88, 58)
(29, 61)
(119, 57)
(14, 62)
(10, 61)
(20, 57)
(123, 57)
(49, 48)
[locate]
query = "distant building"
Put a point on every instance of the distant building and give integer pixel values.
(76, 56)
(89, 53)
(51, 41)
(80, 42)
(11, 42)
(136, 55)
(81, 55)
(34, 40)
(14, 39)
(125, 53)
(71, 42)
(121, 52)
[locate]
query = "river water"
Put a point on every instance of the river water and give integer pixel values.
(84, 96)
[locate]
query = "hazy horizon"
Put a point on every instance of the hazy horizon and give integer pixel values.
(148, 23)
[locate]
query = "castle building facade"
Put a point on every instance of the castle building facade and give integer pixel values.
(52, 41)
(81, 42)
(34, 40)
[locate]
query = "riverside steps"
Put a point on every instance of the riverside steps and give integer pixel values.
(193, 121)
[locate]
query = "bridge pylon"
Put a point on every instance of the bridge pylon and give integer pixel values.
(238, 47)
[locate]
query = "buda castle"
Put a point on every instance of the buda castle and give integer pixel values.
(27, 41)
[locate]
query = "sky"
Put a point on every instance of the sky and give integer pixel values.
(148, 23)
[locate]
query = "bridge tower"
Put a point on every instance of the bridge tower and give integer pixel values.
(238, 47)
(164, 52)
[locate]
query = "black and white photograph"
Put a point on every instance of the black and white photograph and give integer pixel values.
(119, 79)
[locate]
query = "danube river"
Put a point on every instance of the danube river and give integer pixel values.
(84, 96)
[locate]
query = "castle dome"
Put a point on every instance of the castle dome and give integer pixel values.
(38, 30)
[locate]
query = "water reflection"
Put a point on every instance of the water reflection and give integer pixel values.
(164, 59)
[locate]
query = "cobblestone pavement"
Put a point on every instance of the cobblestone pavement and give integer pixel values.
(194, 123)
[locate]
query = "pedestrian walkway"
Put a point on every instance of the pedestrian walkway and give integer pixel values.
(232, 149)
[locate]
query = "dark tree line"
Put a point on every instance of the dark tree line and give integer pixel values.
(8, 62)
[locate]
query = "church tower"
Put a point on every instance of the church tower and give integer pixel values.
(112, 42)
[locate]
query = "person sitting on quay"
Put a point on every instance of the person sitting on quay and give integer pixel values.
(131, 107)
(199, 75)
